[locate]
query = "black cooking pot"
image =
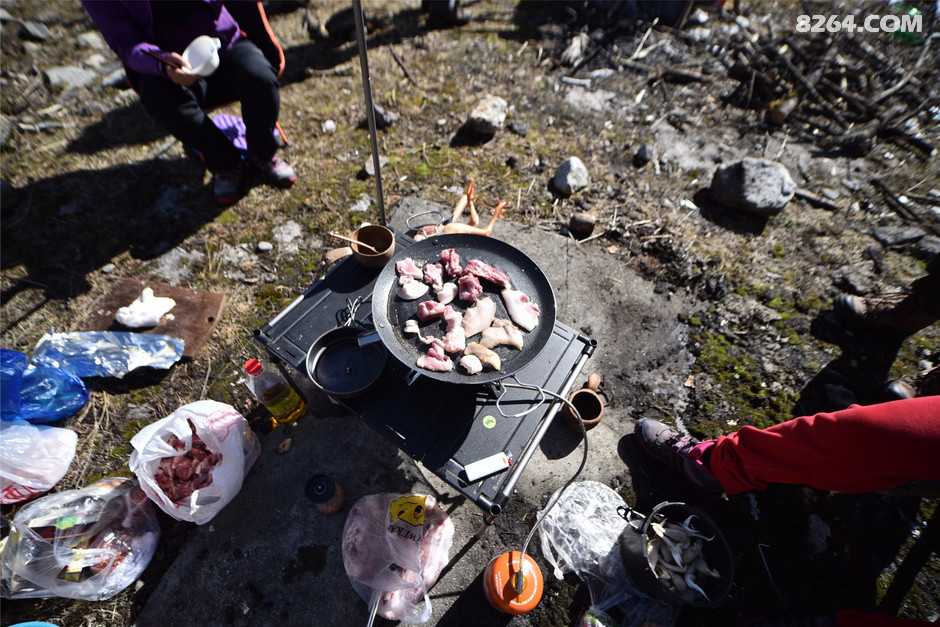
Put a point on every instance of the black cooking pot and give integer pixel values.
(716, 551)
(341, 367)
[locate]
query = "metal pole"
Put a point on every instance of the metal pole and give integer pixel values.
(370, 108)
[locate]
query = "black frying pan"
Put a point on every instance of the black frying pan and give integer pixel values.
(389, 312)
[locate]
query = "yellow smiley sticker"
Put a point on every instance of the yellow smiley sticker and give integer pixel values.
(409, 509)
(489, 421)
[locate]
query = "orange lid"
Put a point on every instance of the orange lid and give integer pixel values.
(501, 576)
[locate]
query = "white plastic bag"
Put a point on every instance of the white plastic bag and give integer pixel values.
(581, 534)
(33, 458)
(210, 425)
(80, 544)
(394, 549)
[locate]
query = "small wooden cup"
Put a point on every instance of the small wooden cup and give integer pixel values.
(588, 403)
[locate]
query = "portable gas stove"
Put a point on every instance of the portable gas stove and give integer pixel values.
(445, 426)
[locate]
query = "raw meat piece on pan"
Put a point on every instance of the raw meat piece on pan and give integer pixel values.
(521, 309)
(470, 288)
(502, 332)
(480, 316)
(451, 262)
(488, 272)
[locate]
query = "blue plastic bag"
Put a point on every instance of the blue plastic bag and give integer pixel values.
(38, 394)
(12, 365)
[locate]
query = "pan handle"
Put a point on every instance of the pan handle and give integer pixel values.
(369, 337)
(522, 386)
(440, 220)
(412, 376)
(633, 517)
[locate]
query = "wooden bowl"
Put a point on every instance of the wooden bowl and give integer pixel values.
(379, 237)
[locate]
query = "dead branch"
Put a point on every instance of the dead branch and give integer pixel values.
(894, 202)
(801, 79)
(910, 74)
(403, 67)
(816, 200)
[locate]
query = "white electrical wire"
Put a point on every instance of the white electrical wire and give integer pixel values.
(558, 494)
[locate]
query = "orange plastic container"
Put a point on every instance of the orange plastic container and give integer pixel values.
(499, 583)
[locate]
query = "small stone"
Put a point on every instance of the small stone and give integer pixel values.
(264, 247)
(828, 192)
(362, 203)
(571, 176)
(928, 247)
(69, 76)
(116, 79)
(384, 118)
(109, 268)
(91, 40)
(34, 31)
(489, 115)
(328, 127)
(896, 235)
(519, 127)
(6, 130)
(284, 446)
(755, 185)
(370, 165)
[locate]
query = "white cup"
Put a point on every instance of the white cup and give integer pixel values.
(203, 55)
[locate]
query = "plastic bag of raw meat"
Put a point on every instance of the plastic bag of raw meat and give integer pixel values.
(394, 549)
(80, 544)
(193, 462)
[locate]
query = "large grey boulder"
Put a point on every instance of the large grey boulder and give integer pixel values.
(758, 186)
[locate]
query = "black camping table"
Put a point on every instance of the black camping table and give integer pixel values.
(445, 426)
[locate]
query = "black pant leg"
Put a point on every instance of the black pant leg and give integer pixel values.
(180, 110)
(246, 75)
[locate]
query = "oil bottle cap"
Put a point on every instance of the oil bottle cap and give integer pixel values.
(320, 488)
(253, 367)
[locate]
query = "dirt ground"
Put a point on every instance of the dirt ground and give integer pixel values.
(93, 189)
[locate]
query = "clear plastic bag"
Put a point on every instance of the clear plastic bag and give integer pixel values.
(80, 544)
(580, 534)
(193, 462)
(33, 458)
(106, 353)
(38, 394)
(394, 549)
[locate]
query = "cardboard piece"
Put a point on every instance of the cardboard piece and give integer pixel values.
(193, 319)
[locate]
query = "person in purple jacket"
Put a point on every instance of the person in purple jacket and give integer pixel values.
(142, 33)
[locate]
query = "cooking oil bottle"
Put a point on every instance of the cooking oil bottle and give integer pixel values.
(274, 392)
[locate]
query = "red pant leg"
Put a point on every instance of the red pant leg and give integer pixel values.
(859, 449)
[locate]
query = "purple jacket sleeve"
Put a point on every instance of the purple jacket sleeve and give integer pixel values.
(128, 29)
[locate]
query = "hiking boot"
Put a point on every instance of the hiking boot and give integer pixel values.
(907, 313)
(924, 383)
(674, 449)
(275, 172)
(229, 185)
